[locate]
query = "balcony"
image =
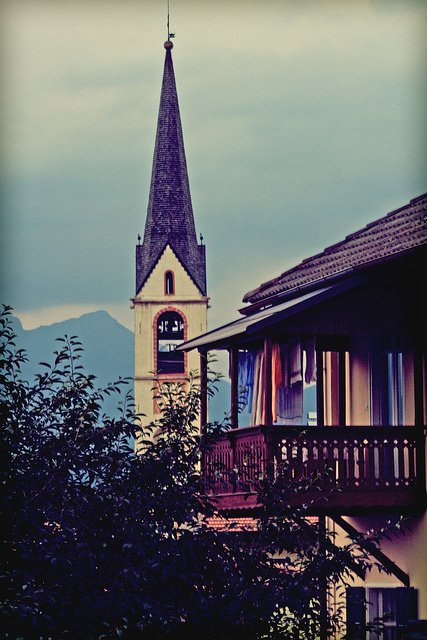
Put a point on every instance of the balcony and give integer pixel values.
(373, 468)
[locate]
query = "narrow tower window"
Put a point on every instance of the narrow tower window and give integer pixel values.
(169, 283)
(170, 333)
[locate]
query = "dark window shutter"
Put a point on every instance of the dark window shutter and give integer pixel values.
(356, 613)
(406, 605)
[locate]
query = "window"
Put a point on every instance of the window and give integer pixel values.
(170, 333)
(333, 364)
(391, 383)
(380, 613)
(382, 606)
(169, 283)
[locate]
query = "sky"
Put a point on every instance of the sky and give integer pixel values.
(303, 121)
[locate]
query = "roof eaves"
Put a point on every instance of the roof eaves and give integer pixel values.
(298, 290)
(152, 267)
(250, 328)
(273, 299)
(359, 242)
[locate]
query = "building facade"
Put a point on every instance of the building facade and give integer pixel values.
(347, 325)
(170, 301)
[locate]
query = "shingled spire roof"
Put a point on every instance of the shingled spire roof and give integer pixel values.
(170, 213)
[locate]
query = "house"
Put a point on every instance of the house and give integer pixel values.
(350, 323)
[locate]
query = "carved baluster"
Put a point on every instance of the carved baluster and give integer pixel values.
(337, 454)
(412, 468)
(315, 451)
(358, 452)
(238, 458)
(286, 458)
(342, 462)
(381, 447)
(347, 466)
(369, 463)
(326, 461)
(355, 455)
(399, 446)
(297, 458)
(310, 458)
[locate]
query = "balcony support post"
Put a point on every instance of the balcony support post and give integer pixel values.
(323, 591)
(269, 450)
(341, 387)
(319, 388)
(419, 386)
(267, 381)
(203, 390)
(234, 373)
(233, 471)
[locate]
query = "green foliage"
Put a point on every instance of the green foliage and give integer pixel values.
(101, 543)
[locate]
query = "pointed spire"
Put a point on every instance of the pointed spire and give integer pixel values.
(170, 214)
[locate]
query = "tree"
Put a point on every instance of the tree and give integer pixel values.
(101, 543)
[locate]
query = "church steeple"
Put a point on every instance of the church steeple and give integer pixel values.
(170, 302)
(170, 218)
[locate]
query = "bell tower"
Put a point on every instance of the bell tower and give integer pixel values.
(170, 302)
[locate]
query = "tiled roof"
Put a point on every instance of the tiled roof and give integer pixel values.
(170, 214)
(238, 523)
(399, 231)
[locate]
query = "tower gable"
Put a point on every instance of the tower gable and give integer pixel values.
(155, 283)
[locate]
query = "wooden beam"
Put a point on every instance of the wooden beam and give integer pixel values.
(388, 564)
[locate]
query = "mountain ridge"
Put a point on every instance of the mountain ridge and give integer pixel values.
(107, 345)
(108, 354)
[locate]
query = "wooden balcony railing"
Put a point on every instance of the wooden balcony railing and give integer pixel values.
(372, 467)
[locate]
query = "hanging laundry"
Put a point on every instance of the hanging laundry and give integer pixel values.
(310, 367)
(245, 378)
(295, 362)
(290, 404)
(289, 400)
(284, 356)
(258, 415)
(276, 377)
(258, 410)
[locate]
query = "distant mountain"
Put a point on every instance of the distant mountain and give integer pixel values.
(108, 348)
(108, 353)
